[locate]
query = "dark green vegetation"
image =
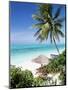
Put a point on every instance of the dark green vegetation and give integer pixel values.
(56, 65)
(20, 78)
(62, 77)
(49, 24)
(39, 81)
(24, 78)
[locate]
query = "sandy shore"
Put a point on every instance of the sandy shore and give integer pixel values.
(29, 65)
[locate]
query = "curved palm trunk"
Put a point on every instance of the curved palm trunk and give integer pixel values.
(56, 45)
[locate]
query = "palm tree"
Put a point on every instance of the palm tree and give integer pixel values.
(49, 24)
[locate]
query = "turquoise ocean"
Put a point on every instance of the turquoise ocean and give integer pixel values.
(22, 53)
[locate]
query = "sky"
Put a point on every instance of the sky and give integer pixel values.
(21, 21)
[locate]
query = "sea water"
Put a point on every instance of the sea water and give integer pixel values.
(26, 52)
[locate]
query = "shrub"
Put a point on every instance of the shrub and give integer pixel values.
(19, 78)
(62, 77)
(38, 81)
(56, 65)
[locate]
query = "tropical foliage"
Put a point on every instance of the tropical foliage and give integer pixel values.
(62, 77)
(56, 65)
(48, 23)
(20, 78)
(38, 81)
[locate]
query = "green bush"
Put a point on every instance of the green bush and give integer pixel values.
(38, 81)
(62, 77)
(27, 79)
(56, 65)
(19, 78)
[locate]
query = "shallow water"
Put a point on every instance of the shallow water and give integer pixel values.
(23, 53)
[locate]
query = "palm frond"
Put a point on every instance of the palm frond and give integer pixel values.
(57, 24)
(37, 33)
(60, 33)
(57, 13)
(42, 34)
(38, 18)
(45, 10)
(60, 20)
(40, 38)
(38, 25)
(46, 34)
(50, 10)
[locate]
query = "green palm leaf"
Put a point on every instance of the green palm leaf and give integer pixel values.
(60, 33)
(37, 17)
(58, 25)
(37, 33)
(38, 25)
(57, 13)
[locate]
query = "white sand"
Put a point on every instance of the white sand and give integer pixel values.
(31, 65)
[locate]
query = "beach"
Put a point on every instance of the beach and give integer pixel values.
(23, 57)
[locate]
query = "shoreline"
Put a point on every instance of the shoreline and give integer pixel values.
(32, 66)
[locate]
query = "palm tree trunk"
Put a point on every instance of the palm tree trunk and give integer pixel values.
(56, 45)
